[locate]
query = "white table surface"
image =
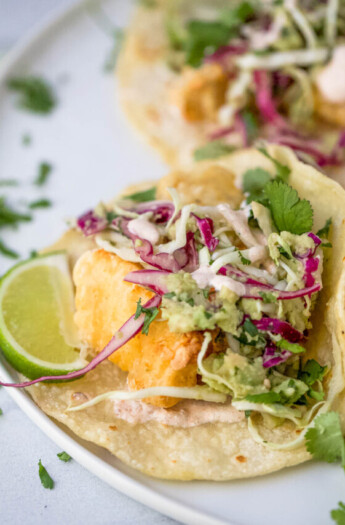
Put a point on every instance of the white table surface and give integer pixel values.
(78, 496)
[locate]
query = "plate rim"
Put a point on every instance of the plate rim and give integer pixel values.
(102, 469)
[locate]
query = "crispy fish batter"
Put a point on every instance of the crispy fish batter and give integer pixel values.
(206, 185)
(328, 111)
(104, 302)
(201, 92)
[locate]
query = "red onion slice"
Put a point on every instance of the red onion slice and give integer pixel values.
(153, 279)
(276, 326)
(90, 224)
(127, 331)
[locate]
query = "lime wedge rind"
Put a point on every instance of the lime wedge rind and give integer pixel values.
(24, 362)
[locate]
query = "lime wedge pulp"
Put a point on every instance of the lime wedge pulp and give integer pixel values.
(37, 333)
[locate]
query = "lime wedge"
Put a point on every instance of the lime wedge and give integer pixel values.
(37, 333)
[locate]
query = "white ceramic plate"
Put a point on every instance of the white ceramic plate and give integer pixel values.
(95, 154)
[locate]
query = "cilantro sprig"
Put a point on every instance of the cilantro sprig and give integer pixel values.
(35, 94)
(325, 440)
(63, 456)
(150, 316)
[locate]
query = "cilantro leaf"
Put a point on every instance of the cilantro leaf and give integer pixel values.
(268, 297)
(233, 17)
(9, 216)
(250, 328)
(324, 232)
(150, 315)
(63, 456)
(1, 412)
(204, 37)
(44, 170)
(312, 371)
(266, 397)
(143, 196)
(289, 212)
(283, 171)
(36, 94)
(254, 183)
(7, 252)
(212, 150)
(325, 440)
(251, 124)
(46, 480)
(291, 347)
(40, 203)
(338, 515)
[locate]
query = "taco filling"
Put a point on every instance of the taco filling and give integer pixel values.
(232, 72)
(236, 288)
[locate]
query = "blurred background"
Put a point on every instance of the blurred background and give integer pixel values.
(17, 17)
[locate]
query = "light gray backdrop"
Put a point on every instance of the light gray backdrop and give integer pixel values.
(78, 497)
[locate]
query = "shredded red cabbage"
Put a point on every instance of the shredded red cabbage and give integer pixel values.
(162, 210)
(90, 223)
(307, 147)
(127, 331)
(276, 326)
(272, 358)
(222, 54)
(206, 230)
(264, 99)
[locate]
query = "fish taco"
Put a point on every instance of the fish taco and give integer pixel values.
(209, 307)
(199, 78)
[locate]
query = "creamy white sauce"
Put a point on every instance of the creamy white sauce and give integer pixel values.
(144, 229)
(239, 223)
(185, 414)
(205, 277)
(331, 80)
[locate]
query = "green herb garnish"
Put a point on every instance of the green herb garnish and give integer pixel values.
(268, 297)
(150, 315)
(9, 182)
(289, 212)
(44, 170)
(26, 139)
(46, 480)
(324, 232)
(9, 216)
(338, 515)
(325, 440)
(212, 150)
(63, 456)
(250, 328)
(36, 94)
(7, 252)
(143, 196)
(291, 347)
(283, 171)
(254, 183)
(40, 203)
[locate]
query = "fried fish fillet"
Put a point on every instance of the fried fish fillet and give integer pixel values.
(104, 301)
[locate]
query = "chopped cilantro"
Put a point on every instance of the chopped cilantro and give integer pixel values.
(40, 203)
(7, 252)
(291, 347)
(63, 456)
(26, 139)
(212, 150)
(207, 314)
(338, 515)
(1, 412)
(143, 196)
(206, 293)
(244, 261)
(289, 212)
(251, 125)
(204, 37)
(169, 295)
(247, 413)
(268, 297)
(44, 170)
(118, 36)
(150, 315)
(46, 480)
(254, 183)
(36, 94)
(9, 216)
(33, 253)
(266, 397)
(326, 245)
(190, 301)
(312, 371)
(325, 440)
(283, 171)
(250, 328)
(9, 182)
(233, 17)
(324, 232)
